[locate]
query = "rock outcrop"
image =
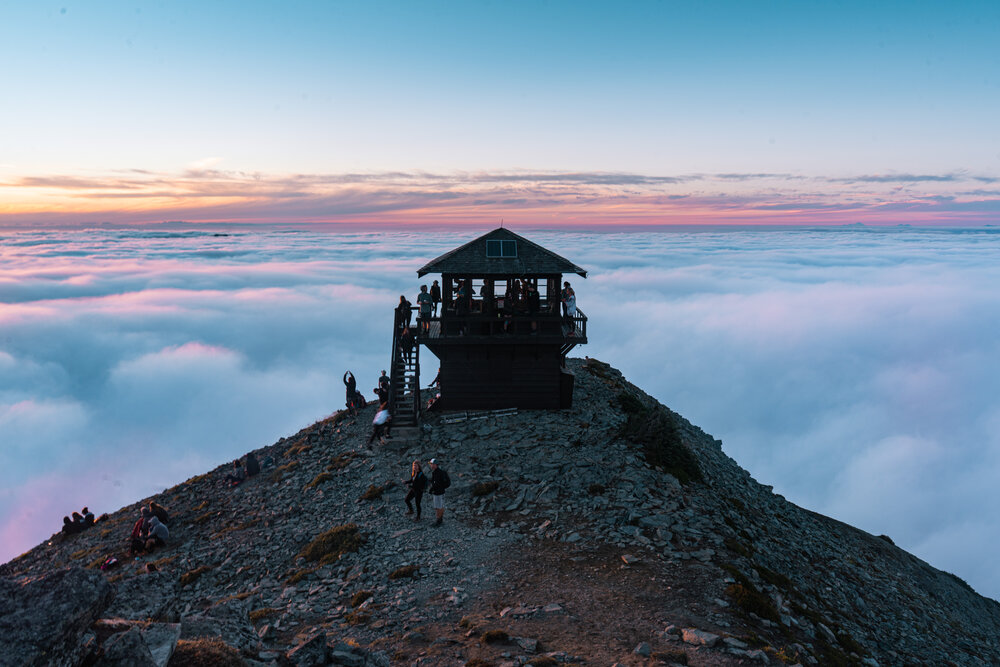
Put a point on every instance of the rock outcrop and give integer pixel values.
(612, 532)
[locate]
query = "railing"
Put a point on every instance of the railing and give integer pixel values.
(499, 325)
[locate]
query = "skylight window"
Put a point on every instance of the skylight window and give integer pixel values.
(501, 249)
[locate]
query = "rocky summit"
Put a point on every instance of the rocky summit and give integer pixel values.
(614, 532)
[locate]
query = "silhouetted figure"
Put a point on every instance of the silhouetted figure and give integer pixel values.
(417, 484)
(435, 297)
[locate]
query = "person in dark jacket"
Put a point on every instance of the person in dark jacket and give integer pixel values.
(417, 484)
(435, 297)
(253, 465)
(352, 389)
(404, 311)
(406, 344)
(439, 482)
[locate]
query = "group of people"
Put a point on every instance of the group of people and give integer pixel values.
(418, 483)
(81, 521)
(240, 472)
(150, 530)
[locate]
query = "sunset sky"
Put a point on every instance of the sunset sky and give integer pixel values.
(548, 113)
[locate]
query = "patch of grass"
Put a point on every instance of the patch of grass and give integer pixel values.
(373, 492)
(106, 532)
(264, 612)
(735, 573)
(494, 637)
(749, 599)
(656, 431)
(598, 368)
(192, 576)
(163, 562)
(359, 598)
(205, 652)
(738, 547)
(298, 447)
(543, 661)
(298, 575)
(318, 479)
(83, 553)
(331, 545)
(485, 488)
(242, 526)
(341, 461)
(279, 472)
(96, 563)
(200, 507)
(630, 403)
(357, 617)
(675, 656)
(774, 578)
(466, 622)
(596, 489)
(403, 572)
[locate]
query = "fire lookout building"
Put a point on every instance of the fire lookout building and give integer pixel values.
(503, 330)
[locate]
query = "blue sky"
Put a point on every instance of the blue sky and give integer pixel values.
(659, 88)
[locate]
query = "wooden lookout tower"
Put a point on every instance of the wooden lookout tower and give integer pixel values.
(502, 333)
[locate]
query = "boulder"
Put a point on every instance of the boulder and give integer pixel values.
(310, 653)
(126, 649)
(43, 620)
(229, 620)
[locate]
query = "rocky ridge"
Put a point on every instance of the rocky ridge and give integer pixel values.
(566, 540)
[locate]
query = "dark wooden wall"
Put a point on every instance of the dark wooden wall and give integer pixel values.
(489, 377)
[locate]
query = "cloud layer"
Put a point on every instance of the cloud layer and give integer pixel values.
(856, 370)
(594, 198)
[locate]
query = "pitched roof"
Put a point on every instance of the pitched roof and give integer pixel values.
(471, 260)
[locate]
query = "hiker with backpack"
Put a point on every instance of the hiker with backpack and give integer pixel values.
(440, 481)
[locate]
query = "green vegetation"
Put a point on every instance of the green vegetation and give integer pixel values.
(341, 461)
(675, 656)
(494, 637)
(192, 576)
(656, 430)
(545, 661)
(319, 479)
(774, 578)
(484, 488)
(264, 612)
(331, 545)
(407, 571)
(358, 598)
(738, 547)
(207, 652)
(749, 599)
(357, 617)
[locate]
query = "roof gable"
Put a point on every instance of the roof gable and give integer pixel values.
(471, 259)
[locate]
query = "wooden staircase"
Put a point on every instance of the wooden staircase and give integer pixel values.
(404, 387)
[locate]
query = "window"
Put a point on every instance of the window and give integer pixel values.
(501, 248)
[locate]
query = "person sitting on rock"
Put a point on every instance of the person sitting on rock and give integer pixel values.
(253, 465)
(159, 511)
(236, 477)
(69, 527)
(137, 540)
(158, 534)
(88, 517)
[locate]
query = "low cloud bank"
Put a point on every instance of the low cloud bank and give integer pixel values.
(855, 370)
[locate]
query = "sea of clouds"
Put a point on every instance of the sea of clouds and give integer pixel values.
(856, 370)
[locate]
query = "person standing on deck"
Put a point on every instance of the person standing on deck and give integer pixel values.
(403, 311)
(435, 297)
(424, 303)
